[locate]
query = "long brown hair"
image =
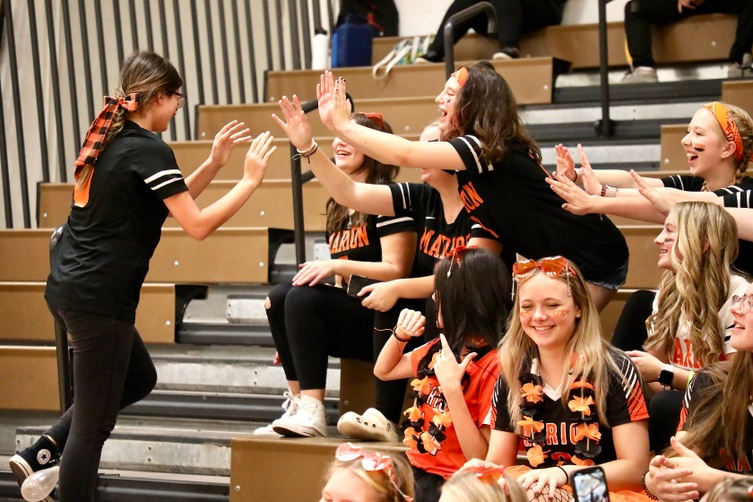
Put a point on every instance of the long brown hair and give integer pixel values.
(377, 174)
(486, 108)
(714, 427)
(698, 286)
(143, 73)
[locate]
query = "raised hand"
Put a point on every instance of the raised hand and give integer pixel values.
(334, 109)
(590, 183)
(257, 156)
(296, 125)
(231, 134)
(656, 198)
(565, 162)
(577, 201)
(447, 369)
(410, 323)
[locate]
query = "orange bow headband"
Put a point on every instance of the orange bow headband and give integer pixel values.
(728, 125)
(376, 118)
(461, 75)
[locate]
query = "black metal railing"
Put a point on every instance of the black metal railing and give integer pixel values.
(52, 79)
(605, 126)
(459, 17)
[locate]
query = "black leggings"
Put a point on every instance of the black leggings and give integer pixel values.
(514, 17)
(640, 15)
(664, 415)
(630, 332)
(309, 324)
(111, 370)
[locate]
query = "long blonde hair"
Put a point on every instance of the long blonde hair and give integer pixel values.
(379, 481)
(466, 486)
(587, 350)
(698, 286)
(745, 126)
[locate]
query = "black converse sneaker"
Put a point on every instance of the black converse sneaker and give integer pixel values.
(41, 455)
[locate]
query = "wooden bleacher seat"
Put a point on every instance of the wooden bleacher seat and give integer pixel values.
(643, 272)
(406, 115)
(712, 36)
(531, 79)
(739, 93)
(612, 311)
(259, 467)
(30, 379)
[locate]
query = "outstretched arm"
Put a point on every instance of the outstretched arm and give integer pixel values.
(232, 134)
(577, 201)
(384, 147)
(362, 197)
(614, 177)
(200, 223)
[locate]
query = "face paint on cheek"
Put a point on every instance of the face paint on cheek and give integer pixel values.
(699, 147)
(560, 312)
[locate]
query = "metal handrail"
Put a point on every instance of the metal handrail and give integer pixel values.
(605, 126)
(464, 15)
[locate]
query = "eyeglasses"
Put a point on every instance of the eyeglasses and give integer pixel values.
(552, 266)
(181, 98)
(743, 303)
(372, 461)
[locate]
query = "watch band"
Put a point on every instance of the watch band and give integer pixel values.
(667, 375)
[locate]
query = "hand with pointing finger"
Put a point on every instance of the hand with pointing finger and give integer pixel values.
(447, 369)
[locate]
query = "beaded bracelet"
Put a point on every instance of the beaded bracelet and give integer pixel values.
(308, 152)
(645, 488)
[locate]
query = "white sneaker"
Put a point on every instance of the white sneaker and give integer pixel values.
(641, 75)
(309, 421)
(371, 426)
(290, 406)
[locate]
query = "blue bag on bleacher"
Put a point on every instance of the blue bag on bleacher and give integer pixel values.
(351, 42)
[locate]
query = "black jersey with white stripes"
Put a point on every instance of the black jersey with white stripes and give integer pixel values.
(104, 254)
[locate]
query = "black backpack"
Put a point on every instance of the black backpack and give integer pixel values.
(381, 14)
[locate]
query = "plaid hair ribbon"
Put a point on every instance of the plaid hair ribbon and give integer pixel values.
(97, 132)
(728, 125)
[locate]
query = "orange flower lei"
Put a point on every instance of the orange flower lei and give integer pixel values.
(582, 403)
(419, 434)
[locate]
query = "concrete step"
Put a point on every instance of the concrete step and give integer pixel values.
(167, 445)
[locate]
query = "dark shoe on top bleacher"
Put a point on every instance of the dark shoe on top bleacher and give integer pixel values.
(41, 455)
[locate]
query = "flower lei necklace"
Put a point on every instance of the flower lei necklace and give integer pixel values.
(585, 420)
(419, 435)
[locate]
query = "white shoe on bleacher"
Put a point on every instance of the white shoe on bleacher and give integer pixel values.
(290, 405)
(641, 75)
(371, 426)
(309, 421)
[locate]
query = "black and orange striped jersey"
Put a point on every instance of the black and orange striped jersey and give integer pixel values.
(625, 403)
(104, 255)
(436, 236)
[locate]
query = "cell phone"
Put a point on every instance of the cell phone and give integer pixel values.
(590, 485)
(357, 282)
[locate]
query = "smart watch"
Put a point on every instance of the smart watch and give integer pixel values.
(666, 375)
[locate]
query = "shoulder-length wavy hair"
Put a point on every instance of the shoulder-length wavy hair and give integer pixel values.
(486, 108)
(698, 284)
(714, 427)
(587, 350)
(377, 174)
